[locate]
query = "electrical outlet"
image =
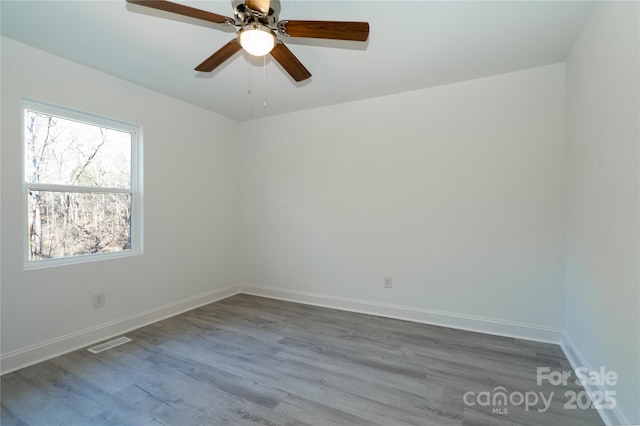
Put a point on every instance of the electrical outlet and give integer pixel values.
(388, 282)
(98, 300)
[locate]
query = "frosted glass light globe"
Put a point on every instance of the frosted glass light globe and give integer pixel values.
(257, 40)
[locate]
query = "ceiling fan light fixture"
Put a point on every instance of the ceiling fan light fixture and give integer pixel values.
(256, 39)
(259, 32)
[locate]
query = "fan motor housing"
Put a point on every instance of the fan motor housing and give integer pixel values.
(246, 16)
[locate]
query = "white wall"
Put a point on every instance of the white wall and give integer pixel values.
(191, 201)
(602, 314)
(455, 191)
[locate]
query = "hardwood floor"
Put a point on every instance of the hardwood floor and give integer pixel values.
(248, 360)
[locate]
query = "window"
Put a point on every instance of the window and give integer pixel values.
(82, 186)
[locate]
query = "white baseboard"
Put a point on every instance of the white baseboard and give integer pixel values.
(612, 417)
(40, 352)
(425, 316)
(46, 350)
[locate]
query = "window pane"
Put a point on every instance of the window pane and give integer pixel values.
(66, 152)
(63, 224)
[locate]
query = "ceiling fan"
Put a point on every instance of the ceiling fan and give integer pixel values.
(258, 30)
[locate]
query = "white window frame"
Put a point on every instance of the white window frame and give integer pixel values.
(135, 190)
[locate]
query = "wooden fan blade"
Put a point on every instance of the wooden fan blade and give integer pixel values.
(215, 60)
(181, 9)
(259, 5)
(336, 30)
(289, 62)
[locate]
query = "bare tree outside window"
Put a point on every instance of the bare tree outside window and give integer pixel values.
(79, 187)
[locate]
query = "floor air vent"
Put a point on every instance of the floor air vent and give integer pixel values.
(108, 345)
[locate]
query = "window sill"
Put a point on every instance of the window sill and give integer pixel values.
(64, 261)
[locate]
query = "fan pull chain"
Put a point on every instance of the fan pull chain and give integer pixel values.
(265, 81)
(249, 91)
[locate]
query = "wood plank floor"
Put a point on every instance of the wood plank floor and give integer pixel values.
(248, 360)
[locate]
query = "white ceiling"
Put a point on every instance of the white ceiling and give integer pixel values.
(412, 45)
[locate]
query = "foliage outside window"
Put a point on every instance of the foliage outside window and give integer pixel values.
(81, 186)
